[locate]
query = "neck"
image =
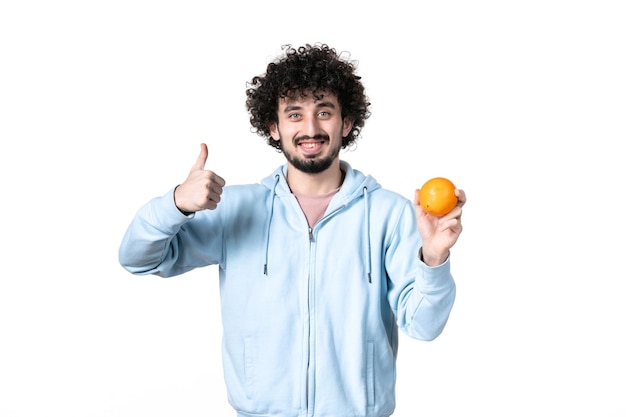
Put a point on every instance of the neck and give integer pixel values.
(315, 184)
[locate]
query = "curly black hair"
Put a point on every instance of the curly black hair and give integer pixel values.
(310, 69)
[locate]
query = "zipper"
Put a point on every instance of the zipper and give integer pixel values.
(309, 398)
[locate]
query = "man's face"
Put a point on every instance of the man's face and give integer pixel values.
(310, 131)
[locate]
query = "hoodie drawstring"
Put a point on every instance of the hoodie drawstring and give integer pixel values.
(368, 249)
(269, 222)
(367, 236)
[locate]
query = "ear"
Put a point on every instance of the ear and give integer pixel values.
(273, 128)
(347, 126)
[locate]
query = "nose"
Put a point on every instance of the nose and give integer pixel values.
(310, 127)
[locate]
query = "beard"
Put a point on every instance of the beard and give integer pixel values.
(313, 165)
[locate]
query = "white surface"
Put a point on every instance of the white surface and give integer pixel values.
(103, 106)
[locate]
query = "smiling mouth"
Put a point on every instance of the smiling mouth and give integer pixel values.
(311, 148)
(311, 145)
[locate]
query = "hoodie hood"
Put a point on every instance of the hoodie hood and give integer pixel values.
(355, 185)
(352, 187)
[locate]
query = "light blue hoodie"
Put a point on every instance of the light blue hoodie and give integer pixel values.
(310, 316)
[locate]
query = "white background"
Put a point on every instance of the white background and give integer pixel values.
(103, 106)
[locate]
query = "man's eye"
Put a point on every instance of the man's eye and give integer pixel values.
(294, 116)
(324, 114)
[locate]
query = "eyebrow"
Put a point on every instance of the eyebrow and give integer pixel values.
(321, 104)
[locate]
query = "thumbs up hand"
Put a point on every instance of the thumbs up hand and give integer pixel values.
(202, 189)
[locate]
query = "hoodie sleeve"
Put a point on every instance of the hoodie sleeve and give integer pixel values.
(422, 296)
(161, 240)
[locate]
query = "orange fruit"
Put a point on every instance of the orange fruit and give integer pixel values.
(437, 196)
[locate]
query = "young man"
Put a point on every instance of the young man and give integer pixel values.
(319, 265)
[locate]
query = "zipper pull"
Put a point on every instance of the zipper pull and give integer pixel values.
(310, 235)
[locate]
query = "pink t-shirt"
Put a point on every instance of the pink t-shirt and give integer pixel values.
(314, 206)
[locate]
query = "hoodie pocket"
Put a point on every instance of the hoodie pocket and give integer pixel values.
(371, 394)
(248, 365)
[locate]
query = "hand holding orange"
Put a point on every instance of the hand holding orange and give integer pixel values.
(437, 196)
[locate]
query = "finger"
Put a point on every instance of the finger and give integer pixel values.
(201, 161)
(416, 199)
(461, 196)
(219, 181)
(216, 186)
